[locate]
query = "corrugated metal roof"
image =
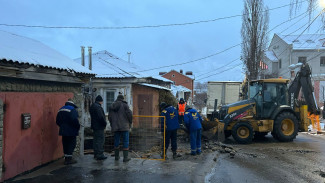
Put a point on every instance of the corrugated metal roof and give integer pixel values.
(107, 65)
(154, 86)
(28, 51)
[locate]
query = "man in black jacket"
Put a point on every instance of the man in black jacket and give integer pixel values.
(67, 120)
(98, 124)
(120, 118)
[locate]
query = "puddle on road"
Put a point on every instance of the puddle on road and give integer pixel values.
(320, 173)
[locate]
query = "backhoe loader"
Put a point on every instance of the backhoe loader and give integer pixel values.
(271, 107)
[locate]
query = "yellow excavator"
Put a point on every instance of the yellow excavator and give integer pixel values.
(271, 107)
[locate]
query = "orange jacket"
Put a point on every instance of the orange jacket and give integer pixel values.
(181, 109)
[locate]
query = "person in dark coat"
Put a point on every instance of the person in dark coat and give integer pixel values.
(98, 124)
(193, 120)
(120, 118)
(171, 116)
(67, 120)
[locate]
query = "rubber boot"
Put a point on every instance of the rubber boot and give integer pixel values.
(174, 155)
(117, 154)
(69, 160)
(126, 156)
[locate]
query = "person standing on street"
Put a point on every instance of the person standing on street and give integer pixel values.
(120, 118)
(98, 124)
(171, 127)
(181, 110)
(67, 120)
(193, 120)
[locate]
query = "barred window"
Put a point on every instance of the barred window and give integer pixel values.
(110, 97)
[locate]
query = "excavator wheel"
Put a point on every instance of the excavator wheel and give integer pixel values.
(227, 133)
(243, 132)
(285, 127)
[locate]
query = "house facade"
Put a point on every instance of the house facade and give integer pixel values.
(285, 52)
(35, 82)
(115, 76)
(186, 80)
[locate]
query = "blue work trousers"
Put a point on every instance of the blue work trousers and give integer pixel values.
(125, 136)
(195, 138)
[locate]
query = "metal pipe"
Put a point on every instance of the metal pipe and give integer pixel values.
(82, 55)
(90, 61)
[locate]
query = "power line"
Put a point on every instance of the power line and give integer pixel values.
(137, 27)
(268, 32)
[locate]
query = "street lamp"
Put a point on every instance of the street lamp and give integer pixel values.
(322, 3)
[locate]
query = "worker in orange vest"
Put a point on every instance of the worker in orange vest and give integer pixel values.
(181, 110)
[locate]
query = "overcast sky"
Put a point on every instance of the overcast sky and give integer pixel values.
(150, 47)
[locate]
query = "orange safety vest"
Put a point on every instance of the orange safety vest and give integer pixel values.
(181, 109)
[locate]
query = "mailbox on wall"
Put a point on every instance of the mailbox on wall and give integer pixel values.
(26, 120)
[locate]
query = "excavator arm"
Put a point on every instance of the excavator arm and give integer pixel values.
(303, 81)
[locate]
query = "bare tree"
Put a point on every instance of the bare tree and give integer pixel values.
(254, 35)
(295, 5)
(200, 95)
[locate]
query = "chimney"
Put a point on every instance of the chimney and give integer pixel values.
(82, 55)
(129, 54)
(89, 53)
(162, 73)
(181, 71)
(189, 73)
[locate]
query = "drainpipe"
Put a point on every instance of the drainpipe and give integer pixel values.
(89, 53)
(82, 55)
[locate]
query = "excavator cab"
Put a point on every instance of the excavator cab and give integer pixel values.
(269, 95)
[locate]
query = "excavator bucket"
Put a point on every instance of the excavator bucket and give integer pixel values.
(220, 132)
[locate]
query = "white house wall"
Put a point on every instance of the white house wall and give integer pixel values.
(282, 51)
(125, 89)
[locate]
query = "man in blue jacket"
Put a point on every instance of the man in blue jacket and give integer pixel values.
(171, 115)
(193, 120)
(67, 120)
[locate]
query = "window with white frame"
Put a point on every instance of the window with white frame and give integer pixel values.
(302, 59)
(110, 97)
(322, 61)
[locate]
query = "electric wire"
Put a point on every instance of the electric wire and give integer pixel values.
(138, 27)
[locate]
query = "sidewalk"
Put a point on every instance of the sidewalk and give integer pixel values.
(185, 169)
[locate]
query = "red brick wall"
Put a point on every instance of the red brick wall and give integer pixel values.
(180, 79)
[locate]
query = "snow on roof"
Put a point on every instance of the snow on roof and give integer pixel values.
(224, 82)
(179, 88)
(155, 86)
(270, 55)
(306, 41)
(184, 73)
(294, 66)
(107, 65)
(28, 51)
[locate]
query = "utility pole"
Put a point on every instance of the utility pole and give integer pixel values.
(129, 54)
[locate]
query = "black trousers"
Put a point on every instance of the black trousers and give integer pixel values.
(98, 143)
(171, 136)
(69, 143)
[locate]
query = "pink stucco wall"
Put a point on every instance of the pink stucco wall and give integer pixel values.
(25, 149)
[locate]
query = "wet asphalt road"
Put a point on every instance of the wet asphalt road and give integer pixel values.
(267, 160)
(302, 160)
